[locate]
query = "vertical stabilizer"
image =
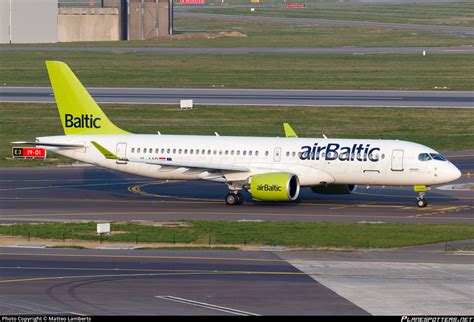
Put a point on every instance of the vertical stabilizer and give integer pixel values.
(79, 113)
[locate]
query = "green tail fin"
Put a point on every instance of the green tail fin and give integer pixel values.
(79, 113)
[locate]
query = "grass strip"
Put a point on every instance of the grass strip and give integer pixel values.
(299, 71)
(293, 234)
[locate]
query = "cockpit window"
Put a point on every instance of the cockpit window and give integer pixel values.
(437, 156)
(424, 157)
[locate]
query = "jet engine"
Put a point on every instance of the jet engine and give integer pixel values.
(334, 189)
(281, 186)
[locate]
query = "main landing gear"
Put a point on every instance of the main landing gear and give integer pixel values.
(234, 198)
(421, 201)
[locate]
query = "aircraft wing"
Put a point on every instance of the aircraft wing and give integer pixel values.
(169, 162)
(52, 144)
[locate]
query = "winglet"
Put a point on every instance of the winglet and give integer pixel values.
(289, 132)
(107, 154)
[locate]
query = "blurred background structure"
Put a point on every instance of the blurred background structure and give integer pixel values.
(48, 21)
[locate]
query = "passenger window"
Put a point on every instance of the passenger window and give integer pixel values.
(185, 151)
(220, 152)
(256, 153)
(180, 151)
(232, 152)
(150, 150)
(133, 150)
(293, 154)
(266, 153)
(424, 157)
(174, 151)
(157, 150)
(250, 153)
(287, 153)
(168, 151)
(238, 152)
(191, 151)
(144, 150)
(138, 150)
(244, 152)
(214, 152)
(226, 152)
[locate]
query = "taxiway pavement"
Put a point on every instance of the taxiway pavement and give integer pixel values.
(426, 280)
(95, 194)
(254, 50)
(279, 97)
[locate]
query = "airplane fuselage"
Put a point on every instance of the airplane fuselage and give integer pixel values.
(314, 161)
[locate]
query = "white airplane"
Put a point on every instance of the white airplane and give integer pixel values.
(270, 169)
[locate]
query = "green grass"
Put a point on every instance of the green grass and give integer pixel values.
(344, 235)
(454, 14)
(283, 35)
(442, 129)
(286, 35)
(413, 72)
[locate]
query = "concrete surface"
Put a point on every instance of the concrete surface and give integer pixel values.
(273, 97)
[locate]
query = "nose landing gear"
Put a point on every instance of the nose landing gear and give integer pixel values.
(421, 201)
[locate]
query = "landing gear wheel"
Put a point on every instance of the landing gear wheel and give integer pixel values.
(421, 203)
(232, 199)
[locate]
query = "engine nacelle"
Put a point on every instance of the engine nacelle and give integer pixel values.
(280, 186)
(335, 189)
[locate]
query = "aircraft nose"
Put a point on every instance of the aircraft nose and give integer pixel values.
(454, 173)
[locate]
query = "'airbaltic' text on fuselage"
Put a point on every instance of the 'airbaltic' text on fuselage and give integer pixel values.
(334, 151)
(87, 121)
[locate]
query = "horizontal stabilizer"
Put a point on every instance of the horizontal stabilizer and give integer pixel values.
(106, 153)
(59, 145)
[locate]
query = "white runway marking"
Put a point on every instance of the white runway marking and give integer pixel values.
(207, 305)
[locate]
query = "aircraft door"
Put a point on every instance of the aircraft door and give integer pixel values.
(121, 152)
(277, 155)
(397, 160)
